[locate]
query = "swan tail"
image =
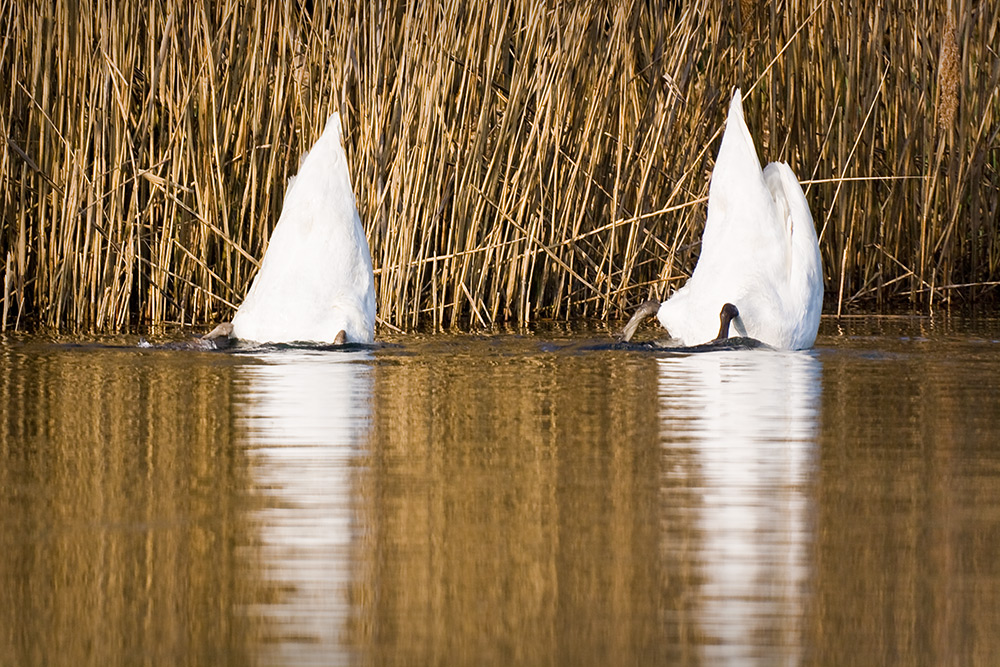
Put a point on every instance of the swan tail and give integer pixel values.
(737, 154)
(738, 201)
(334, 128)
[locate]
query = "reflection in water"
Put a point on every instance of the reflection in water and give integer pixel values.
(503, 500)
(307, 415)
(116, 511)
(908, 502)
(509, 501)
(742, 426)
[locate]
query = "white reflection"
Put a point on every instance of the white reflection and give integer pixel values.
(307, 414)
(741, 428)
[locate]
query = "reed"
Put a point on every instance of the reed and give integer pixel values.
(512, 161)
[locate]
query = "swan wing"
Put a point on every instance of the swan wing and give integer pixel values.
(316, 276)
(802, 296)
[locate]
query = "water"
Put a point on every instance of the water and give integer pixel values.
(507, 499)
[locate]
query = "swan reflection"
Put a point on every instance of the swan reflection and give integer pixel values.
(307, 414)
(739, 432)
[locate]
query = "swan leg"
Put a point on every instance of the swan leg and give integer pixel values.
(341, 338)
(728, 313)
(644, 310)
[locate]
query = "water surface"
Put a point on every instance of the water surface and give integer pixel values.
(511, 498)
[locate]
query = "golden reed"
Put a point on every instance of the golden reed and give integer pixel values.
(511, 161)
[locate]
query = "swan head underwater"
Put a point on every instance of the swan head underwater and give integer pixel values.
(315, 283)
(759, 254)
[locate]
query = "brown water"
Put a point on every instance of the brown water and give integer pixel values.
(507, 499)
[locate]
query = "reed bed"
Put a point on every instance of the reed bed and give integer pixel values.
(512, 161)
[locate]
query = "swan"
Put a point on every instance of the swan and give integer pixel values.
(759, 253)
(315, 283)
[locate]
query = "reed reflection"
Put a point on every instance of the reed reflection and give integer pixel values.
(510, 503)
(740, 431)
(117, 510)
(307, 414)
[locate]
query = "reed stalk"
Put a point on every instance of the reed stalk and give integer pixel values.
(511, 161)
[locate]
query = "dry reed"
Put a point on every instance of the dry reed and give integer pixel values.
(511, 162)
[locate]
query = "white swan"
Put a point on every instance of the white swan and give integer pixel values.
(315, 283)
(759, 252)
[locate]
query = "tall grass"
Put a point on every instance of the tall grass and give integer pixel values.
(511, 160)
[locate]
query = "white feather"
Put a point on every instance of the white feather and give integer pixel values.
(758, 251)
(316, 276)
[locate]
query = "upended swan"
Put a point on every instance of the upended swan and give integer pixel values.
(315, 283)
(758, 252)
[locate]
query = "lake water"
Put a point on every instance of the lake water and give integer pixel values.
(513, 498)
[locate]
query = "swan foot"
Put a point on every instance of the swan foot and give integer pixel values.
(340, 338)
(644, 310)
(728, 313)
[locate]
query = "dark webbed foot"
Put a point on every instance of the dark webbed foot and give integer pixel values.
(728, 313)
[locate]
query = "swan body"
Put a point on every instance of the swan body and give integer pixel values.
(315, 283)
(759, 252)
